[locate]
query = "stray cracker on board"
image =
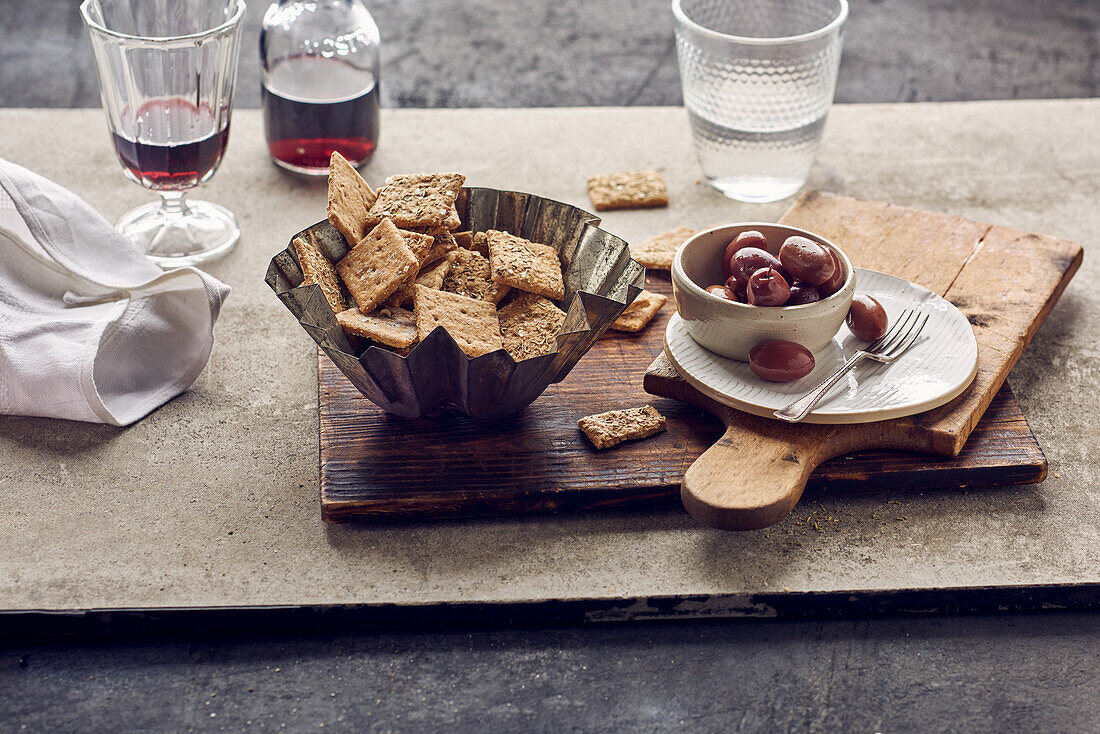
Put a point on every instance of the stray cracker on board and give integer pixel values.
(469, 276)
(605, 430)
(640, 312)
(473, 324)
(350, 199)
(318, 270)
(418, 200)
(394, 327)
(525, 265)
(632, 190)
(530, 325)
(656, 253)
(377, 266)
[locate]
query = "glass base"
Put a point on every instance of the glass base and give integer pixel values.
(304, 170)
(177, 233)
(756, 190)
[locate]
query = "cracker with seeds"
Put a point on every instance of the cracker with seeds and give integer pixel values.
(443, 242)
(350, 199)
(657, 253)
(394, 327)
(522, 264)
(377, 266)
(640, 312)
(605, 430)
(631, 190)
(453, 220)
(530, 325)
(318, 270)
(420, 244)
(418, 200)
(430, 276)
(469, 276)
(472, 323)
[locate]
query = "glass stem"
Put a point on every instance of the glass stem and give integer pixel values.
(172, 205)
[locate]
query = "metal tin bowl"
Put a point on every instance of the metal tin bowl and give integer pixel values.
(437, 377)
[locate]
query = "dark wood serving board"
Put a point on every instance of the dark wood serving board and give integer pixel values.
(376, 466)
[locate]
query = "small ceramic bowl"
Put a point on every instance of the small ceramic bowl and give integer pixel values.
(732, 329)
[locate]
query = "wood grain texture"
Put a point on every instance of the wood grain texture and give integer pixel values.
(1005, 282)
(377, 466)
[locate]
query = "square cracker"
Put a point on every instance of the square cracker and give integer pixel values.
(469, 276)
(430, 276)
(394, 327)
(529, 325)
(377, 266)
(318, 270)
(420, 244)
(631, 190)
(350, 199)
(605, 430)
(418, 200)
(525, 265)
(443, 242)
(640, 312)
(473, 324)
(656, 253)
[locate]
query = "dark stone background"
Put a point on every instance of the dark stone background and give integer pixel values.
(1006, 673)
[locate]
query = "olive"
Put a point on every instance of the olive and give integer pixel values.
(748, 238)
(779, 360)
(738, 290)
(867, 318)
(722, 292)
(802, 293)
(767, 287)
(806, 260)
(748, 260)
(835, 281)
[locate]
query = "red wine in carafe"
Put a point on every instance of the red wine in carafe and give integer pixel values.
(313, 106)
(169, 144)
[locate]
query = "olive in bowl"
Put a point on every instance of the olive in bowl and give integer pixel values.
(731, 328)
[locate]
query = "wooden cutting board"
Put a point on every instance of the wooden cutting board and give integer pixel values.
(376, 467)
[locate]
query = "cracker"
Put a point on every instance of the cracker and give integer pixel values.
(529, 325)
(394, 327)
(605, 430)
(469, 276)
(420, 244)
(480, 243)
(656, 253)
(631, 190)
(318, 270)
(473, 324)
(464, 239)
(418, 200)
(640, 312)
(350, 199)
(443, 242)
(525, 265)
(377, 266)
(430, 276)
(453, 220)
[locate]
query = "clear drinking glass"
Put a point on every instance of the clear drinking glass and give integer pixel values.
(166, 74)
(758, 78)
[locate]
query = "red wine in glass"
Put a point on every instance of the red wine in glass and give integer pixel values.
(314, 106)
(169, 144)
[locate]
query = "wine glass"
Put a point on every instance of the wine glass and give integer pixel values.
(166, 74)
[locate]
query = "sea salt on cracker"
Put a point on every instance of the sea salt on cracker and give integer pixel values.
(418, 200)
(472, 323)
(525, 265)
(631, 190)
(530, 325)
(469, 276)
(605, 430)
(377, 266)
(430, 276)
(657, 253)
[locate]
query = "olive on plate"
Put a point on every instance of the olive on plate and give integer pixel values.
(779, 360)
(806, 260)
(867, 318)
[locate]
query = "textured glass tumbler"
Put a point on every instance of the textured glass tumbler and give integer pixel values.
(166, 74)
(758, 78)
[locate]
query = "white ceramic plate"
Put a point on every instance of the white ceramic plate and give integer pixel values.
(939, 366)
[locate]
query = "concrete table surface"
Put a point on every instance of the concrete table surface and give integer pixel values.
(212, 500)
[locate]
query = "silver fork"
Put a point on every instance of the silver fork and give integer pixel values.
(894, 342)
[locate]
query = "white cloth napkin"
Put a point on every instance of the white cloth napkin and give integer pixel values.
(91, 329)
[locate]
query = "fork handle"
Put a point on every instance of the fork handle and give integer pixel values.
(800, 408)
